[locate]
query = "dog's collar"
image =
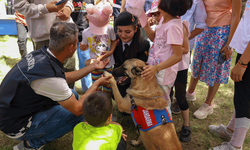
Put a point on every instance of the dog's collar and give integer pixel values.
(131, 97)
(148, 119)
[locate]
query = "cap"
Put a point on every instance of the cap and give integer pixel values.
(135, 7)
(125, 18)
(153, 9)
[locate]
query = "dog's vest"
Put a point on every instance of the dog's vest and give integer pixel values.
(148, 119)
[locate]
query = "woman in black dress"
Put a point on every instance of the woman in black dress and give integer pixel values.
(130, 43)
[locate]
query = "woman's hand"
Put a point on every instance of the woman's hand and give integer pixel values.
(83, 47)
(149, 72)
(227, 50)
(237, 73)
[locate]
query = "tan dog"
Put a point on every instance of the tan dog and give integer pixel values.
(148, 95)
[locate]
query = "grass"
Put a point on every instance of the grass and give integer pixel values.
(201, 138)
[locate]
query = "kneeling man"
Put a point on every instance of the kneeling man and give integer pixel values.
(36, 104)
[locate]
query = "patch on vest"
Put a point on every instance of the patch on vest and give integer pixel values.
(148, 119)
(30, 61)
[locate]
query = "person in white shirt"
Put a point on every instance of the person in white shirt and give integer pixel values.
(40, 16)
(196, 16)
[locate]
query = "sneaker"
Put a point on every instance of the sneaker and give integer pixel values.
(190, 97)
(220, 131)
(203, 111)
(185, 134)
(225, 146)
(175, 108)
(21, 146)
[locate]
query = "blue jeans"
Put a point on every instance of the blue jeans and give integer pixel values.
(86, 81)
(50, 125)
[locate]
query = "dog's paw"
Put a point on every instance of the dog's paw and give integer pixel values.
(107, 74)
(135, 143)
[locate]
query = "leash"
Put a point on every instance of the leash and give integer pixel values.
(131, 97)
(138, 126)
(133, 103)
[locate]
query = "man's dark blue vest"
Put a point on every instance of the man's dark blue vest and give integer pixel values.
(18, 101)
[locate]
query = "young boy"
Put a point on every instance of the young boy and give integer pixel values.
(99, 132)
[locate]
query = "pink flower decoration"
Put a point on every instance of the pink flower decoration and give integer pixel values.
(79, 4)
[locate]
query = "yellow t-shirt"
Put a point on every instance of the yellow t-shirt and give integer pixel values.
(87, 137)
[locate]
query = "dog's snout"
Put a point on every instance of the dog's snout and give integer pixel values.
(118, 72)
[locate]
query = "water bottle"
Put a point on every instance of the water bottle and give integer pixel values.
(12, 10)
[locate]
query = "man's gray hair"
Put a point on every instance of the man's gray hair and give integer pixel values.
(62, 34)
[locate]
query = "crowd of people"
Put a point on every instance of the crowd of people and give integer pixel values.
(38, 102)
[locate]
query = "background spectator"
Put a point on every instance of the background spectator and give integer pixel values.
(79, 17)
(40, 15)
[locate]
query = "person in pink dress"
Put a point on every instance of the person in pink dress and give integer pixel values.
(223, 17)
(235, 132)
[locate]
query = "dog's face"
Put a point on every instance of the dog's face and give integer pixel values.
(130, 69)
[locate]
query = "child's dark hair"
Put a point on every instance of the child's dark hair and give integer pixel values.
(97, 107)
(175, 7)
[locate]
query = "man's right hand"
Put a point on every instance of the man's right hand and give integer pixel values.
(103, 80)
(51, 7)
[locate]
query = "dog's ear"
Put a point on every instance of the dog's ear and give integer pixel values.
(137, 70)
(140, 63)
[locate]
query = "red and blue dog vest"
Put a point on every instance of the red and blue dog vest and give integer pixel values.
(148, 119)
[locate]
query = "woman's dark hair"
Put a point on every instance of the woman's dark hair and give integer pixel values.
(136, 39)
(175, 7)
(126, 19)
